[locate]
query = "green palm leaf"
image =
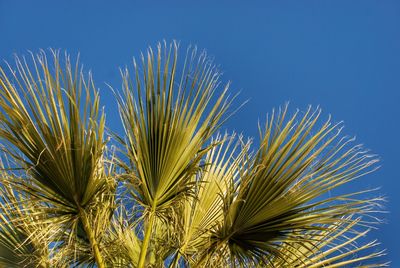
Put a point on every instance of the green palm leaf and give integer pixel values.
(277, 200)
(168, 121)
(55, 137)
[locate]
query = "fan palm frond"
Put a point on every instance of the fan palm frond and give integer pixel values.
(54, 128)
(168, 120)
(278, 196)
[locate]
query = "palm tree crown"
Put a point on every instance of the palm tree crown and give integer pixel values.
(175, 192)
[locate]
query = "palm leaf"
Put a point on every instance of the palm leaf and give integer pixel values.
(279, 194)
(62, 146)
(168, 123)
(55, 137)
(165, 135)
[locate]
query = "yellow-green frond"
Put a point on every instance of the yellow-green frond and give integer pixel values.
(299, 160)
(53, 128)
(169, 115)
(57, 138)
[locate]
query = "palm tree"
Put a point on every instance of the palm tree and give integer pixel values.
(175, 192)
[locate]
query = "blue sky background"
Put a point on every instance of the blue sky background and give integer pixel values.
(341, 55)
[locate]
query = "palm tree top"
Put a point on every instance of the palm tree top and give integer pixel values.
(176, 192)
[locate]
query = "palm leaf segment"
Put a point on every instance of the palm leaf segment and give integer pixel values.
(335, 245)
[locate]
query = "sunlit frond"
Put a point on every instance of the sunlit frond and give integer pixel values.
(52, 124)
(162, 115)
(168, 119)
(278, 197)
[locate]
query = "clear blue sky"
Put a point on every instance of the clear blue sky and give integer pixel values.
(341, 55)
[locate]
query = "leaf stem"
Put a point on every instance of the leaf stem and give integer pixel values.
(146, 239)
(95, 247)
